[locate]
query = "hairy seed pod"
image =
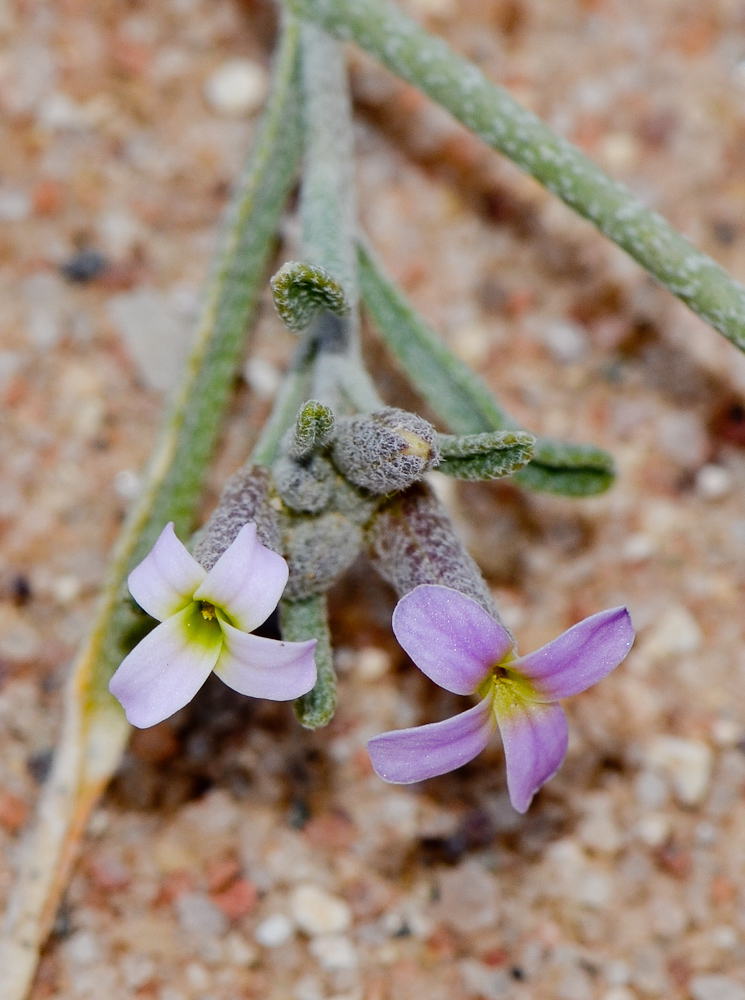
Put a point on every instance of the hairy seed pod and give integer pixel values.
(307, 485)
(318, 550)
(245, 497)
(411, 541)
(386, 451)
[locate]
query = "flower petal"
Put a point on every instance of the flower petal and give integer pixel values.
(535, 738)
(166, 669)
(246, 581)
(166, 578)
(407, 755)
(449, 636)
(578, 658)
(266, 668)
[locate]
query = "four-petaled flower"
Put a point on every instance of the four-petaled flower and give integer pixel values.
(463, 649)
(206, 618)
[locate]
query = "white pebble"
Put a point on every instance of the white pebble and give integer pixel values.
(333, 952)
(687, 764)
(240, 952)
(126, 484)
(82, 948)
(155, 334)
(638, 548)
(262, 377)
(619, 993)
(237, 87)
(197, 915)
(653, 830)
(316, 911)
(726, 732)
(715, 988)
(567, 342)
(372, 663)
(15, 206)
(651, 790)
(713, 482)
(274, 931)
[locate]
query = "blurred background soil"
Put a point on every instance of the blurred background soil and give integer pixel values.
(235, 855)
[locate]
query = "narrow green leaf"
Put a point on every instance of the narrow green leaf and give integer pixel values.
(460, 399)
(491, 113)
(94, 730)
(574, 470)
(308, 619)
(480, 457)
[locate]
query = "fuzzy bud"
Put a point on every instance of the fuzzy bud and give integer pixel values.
(306, 486)
(245, 498)
(386, 451)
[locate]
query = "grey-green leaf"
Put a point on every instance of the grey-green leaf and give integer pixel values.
(485, 456)
(575, 470)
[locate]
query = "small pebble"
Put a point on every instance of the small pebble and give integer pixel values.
(238, 87)
(638, 548)
(240, 952)
(715, 988)
(726, 732)
(82, 948)
(566, 341)
(687, 764)
(155, 335)
(316, 911)
(373, 663)
(713, 482)
(468, 898)
(15, 206)
(84, 266)
(197, 915)
(274, 931)
(483, 981)
(653, 830)
(237, 900)
(13, 812)
(333, 952)
(262, 377)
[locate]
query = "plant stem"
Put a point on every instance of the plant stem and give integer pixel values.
(492, 114)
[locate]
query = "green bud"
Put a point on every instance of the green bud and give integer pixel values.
(302, 290)
(314, 428)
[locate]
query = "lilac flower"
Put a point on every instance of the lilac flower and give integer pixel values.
(206, 618)
(463, 649)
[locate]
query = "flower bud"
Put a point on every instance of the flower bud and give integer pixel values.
(305, 485)
(386, 451)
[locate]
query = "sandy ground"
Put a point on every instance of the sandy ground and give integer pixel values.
(237, 856)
